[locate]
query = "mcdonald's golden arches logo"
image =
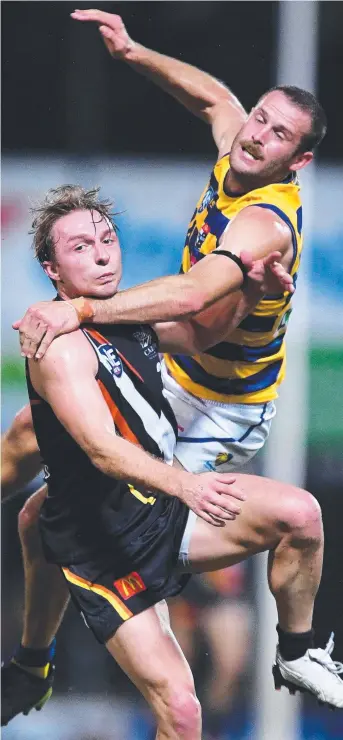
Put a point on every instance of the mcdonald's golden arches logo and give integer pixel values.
(130, 585)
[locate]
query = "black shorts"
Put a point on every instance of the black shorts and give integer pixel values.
(112, 587)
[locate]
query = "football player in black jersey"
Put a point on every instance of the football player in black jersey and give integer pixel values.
(125, 544)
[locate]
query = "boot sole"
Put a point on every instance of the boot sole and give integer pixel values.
(38, 706)
(280, 681)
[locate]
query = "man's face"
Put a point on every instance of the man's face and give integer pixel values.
(267, 146)
(87, 259)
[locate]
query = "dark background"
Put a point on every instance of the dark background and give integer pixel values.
(63, 96)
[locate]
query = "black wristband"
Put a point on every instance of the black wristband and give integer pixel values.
(235, 259)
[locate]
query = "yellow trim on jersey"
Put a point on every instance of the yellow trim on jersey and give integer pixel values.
(151, 500)
(209, 395)
(117, 604)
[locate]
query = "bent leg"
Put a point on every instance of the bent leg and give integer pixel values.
(28, 679)
(282, 519)
(46, 593)
(146, 649)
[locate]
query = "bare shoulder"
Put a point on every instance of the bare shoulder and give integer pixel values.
(258, 230)
(65, 355)
(264, 220)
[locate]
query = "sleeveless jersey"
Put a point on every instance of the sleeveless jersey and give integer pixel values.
(248, 368)
(86, 511)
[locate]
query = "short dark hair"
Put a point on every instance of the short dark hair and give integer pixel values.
(57, 203)
(308, 103)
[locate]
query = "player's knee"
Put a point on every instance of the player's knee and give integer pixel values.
(304, 517)
(184, 712)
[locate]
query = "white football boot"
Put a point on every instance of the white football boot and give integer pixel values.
(315, 673)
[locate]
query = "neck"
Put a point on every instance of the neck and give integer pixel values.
(241, 184)
(63, 295)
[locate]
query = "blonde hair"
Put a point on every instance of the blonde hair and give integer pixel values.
(57, 203)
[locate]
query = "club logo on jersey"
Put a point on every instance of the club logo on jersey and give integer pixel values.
(130, 585)
(221, 459)
(110, 360)
(208, 199)
(202, 234)
(144, 337)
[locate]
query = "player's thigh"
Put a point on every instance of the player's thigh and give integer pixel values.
(267, 512)
(146, 649)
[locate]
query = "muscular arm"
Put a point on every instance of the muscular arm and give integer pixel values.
(173, 298)
(20, 457)
(209, 327)
(65, 377)
(215, 276)
(216, 323)
(202, 94)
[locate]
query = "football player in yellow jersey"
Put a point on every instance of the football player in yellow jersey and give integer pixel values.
(266, 148)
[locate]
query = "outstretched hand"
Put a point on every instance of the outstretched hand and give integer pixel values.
(212, 496)
(112, 29)
(43, 322)
(267, 275)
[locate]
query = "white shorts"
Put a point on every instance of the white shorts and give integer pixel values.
(213, 435)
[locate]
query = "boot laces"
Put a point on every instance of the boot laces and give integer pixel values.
(323, 656)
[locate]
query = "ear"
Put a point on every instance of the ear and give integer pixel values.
(301, 161)
(51, 270)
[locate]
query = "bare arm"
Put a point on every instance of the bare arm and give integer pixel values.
(64, 378)
(209, 327)
(257, 231)
(176, 297)
(216, 323)
(202, 94)
(20, 456)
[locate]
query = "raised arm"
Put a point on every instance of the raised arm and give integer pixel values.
(20, 456)
(199, 92)
(64, 378)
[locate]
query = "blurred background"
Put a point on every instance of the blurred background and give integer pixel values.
(71, 114)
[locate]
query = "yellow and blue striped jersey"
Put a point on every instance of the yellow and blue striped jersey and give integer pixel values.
(249, 368)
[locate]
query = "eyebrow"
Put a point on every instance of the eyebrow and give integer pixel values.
(76, 237)
(280, 127)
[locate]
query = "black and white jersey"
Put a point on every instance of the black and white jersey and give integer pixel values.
(87, 511)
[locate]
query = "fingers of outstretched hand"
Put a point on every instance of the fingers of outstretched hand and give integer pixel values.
(45, 343)
(31, 333)
(283, 276)
(271, 258)
(211, 519)
(220, 513)
(227, 503)
(98, 16)
(227, 487)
